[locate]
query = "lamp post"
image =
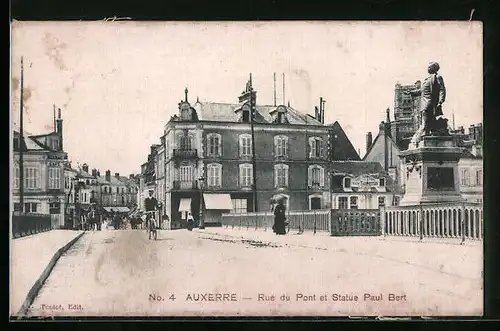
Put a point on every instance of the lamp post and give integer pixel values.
(201, 180)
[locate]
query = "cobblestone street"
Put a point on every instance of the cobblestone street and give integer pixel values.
(123, 273)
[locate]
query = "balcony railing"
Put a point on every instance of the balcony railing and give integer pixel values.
(185, 153)
(185, 185)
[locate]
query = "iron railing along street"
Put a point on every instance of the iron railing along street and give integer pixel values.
(25, 224)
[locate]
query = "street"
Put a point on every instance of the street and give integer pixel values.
(217, 272)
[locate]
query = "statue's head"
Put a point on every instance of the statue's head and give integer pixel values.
(433, 68)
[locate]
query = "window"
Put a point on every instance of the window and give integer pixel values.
(123, 200)
(54, 208)
(316, 176)
(353, 201)
(239, 206)
(84, 197)
(117, 190)
(315, 147)
(246, 175)
(246, 115)
(381, 201)
(342, 203)
(464, 177)
(30, 207)
(17, 206)
(54, 178)
(347, 182)
(31, 177)
(185, 142)
(479, 177)
(281, 146)
(281, 175)
(395, 201)
(15, 181)
(245, 145)
(381, 182)
(214, 144)
(214, 172)
(186, 174)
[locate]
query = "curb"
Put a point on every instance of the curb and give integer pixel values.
(45, 274)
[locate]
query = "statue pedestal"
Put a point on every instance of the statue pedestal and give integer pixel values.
(431, 171)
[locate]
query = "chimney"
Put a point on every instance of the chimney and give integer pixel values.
(60, 129)
(85, 167)
(369, 141)
(98, 173)
(108, 175)
(94, 172)
(117, 175)
(316, 113)
(131, 176)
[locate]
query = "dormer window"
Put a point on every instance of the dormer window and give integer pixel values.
(185, 112)
(280, 115)
(347, 182)
(246, 116)
(381, 182)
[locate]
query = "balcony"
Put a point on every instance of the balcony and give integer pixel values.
(185, 153)
(185, 185)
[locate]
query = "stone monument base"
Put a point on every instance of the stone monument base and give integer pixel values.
(431, 171)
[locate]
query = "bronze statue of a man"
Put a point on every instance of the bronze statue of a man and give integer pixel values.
(433, 94)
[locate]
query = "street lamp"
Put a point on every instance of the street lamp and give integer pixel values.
(201, 180)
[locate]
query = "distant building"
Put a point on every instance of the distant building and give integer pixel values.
(43, 161)
(384, 150)
(362, 185)
(407, 117)
(211, 144)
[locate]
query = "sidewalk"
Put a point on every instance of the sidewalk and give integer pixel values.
(446, 256)
(29, 259)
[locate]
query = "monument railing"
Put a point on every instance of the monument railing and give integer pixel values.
(462, 220)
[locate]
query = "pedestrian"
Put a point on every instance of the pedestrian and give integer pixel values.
(279, 218)
(190, 222)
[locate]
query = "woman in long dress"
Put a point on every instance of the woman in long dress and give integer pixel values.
(279, 218)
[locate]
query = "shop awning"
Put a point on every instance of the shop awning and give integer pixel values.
(185, 204)
(218, 201)
(117, 209)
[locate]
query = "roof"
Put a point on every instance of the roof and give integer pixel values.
(30, 143)
(468, 155)
(357, 168)
(226, 112)
(84, 174)
(343, 149)
(102, 180)
(391, 139)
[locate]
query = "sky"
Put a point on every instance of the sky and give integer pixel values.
(118, 83)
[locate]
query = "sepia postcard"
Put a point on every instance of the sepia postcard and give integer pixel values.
(163, 169)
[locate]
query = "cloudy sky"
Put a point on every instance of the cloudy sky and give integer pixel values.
(118, 83)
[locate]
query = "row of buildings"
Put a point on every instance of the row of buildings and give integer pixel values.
(52, 186)
(209, 154)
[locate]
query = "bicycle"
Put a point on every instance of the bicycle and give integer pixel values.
(151, 227)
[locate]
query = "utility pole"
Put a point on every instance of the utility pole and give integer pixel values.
(21, 142)
(254, 163)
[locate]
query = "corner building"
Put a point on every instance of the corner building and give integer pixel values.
(209, 152)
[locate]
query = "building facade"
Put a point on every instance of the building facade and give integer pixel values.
(43, 162)
(212, 152)
(362, 185)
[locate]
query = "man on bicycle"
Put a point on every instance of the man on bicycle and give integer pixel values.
(151, 205)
